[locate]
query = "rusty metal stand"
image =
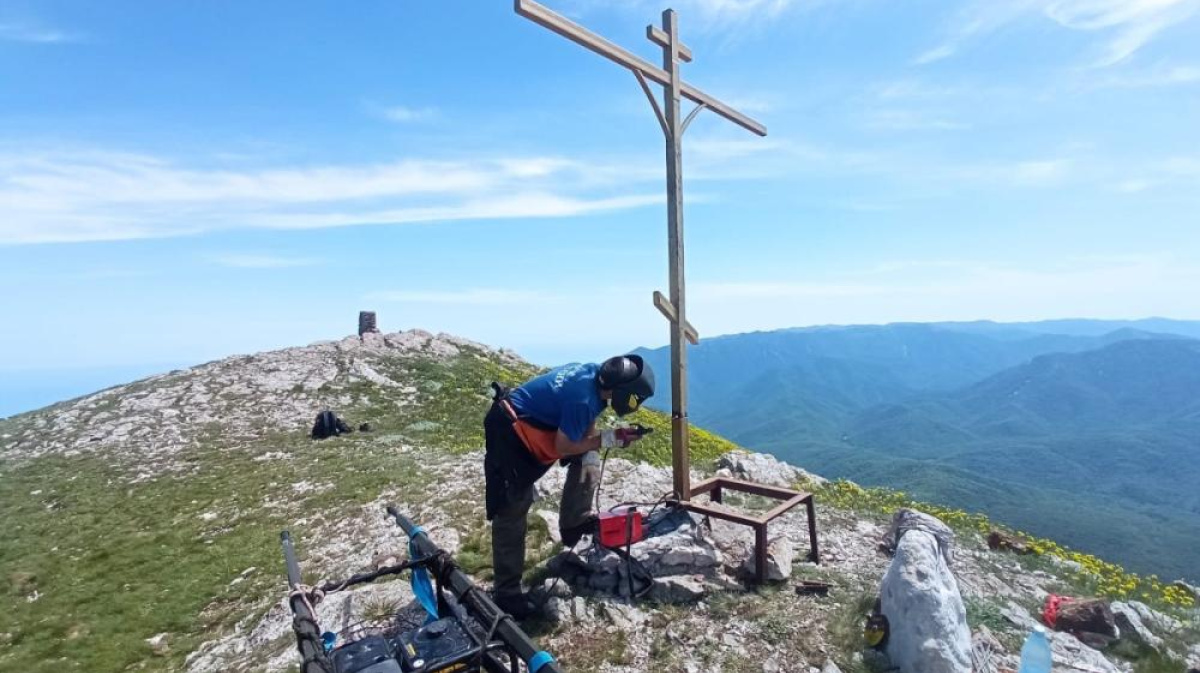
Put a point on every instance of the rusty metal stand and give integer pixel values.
(715, 488)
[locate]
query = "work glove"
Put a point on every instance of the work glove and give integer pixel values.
(618, 438)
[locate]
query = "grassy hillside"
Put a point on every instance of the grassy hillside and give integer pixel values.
(174, 528)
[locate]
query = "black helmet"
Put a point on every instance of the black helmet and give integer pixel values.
(630, 379)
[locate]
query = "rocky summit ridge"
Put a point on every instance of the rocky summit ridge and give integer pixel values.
(142, 531)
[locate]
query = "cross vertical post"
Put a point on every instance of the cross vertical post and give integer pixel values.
(680, 455)
(669, 115)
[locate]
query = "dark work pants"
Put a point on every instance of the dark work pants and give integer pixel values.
(509, 525)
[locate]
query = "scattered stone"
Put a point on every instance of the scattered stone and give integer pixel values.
(831, 667)
(551, 519)
(22, 583)
(679, 589)
(1193, 590)
(763, 469)
(987, 653)
(159, 645)
(905, 520)
(1067, 650)
(1091, 621)
(999, 541)
(919, 596)
(780, 554)
(1155, 619)
(385, 559)
(624, 617)
(771, 665)
(1129, 622)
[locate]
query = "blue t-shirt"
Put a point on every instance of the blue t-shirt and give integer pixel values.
(565, 398)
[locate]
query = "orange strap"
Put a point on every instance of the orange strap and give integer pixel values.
(540, 442)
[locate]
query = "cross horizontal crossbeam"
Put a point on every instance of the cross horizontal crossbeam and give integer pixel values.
(543, 16)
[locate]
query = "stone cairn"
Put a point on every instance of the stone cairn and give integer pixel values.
(366, 323)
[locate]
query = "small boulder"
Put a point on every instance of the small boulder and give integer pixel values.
(1091, 621)
(679, 589)
(159, 645)
(762, 469)
(1154, 619)
(905, 520)
(920, 598)
(1131, 627)
(999, 541)
(1189, 589)
(780, 555)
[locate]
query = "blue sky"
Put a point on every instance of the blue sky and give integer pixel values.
(184, 181)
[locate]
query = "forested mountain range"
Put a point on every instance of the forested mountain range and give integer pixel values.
(1087, 431)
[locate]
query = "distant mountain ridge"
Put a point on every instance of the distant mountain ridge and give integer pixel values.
(1088, 431)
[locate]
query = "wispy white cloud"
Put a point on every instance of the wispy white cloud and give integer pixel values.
(88, 196)
(936, 54)
(708, 15)
(1123, 26)
(1134, 185)
(403, 114)
(469, 297)
(918, 290)
(33, 33)
(911, 120)
(261, 261)
(1158, 76)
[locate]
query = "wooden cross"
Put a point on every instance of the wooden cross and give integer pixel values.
(675, 90)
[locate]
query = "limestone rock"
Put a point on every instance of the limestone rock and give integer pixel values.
(999, 541)
(905, 520)
(679, 589)
(1191, 589)
(763, 469)
(551, 519)
(1131, 627)
(780, 555)
(159, 645)
(1067, 650)
(920, 598)
(1154, 619)
(624, 617)
(1091, 621)
(831, 667)
(988, 654)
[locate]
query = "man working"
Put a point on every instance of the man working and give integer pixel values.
(552, 418)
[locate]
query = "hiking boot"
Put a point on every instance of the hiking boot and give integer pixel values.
(519, 606)
(571, 536)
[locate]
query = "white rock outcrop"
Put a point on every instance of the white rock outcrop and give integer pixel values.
(1131, 627)
(927, 620)
(905, 520)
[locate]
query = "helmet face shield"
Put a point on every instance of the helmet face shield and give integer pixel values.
(630, 381)
(626, 402)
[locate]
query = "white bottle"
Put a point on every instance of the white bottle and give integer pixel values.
(1035, 655)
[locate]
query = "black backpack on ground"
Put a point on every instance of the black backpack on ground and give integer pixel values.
(329, 425)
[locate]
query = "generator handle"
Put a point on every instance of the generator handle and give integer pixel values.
(479, 603)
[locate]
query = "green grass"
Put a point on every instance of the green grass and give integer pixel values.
(115, 563)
